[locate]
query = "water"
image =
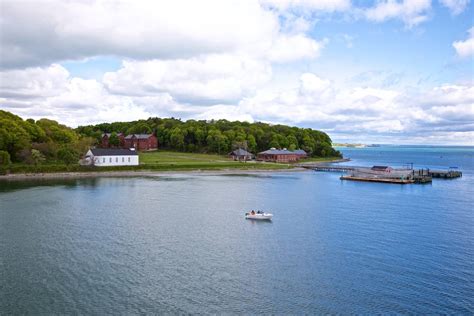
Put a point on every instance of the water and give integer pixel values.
(179, 244)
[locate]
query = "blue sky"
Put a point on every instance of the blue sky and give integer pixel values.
(391, 71)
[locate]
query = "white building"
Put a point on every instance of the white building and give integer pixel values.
(106, 157)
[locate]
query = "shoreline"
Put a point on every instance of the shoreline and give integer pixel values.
(144, 173)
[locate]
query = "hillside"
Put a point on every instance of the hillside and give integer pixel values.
(47, 141)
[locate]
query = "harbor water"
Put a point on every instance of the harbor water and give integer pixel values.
(180, 243)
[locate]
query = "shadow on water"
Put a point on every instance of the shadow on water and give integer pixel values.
(10, 186)
(259, 222)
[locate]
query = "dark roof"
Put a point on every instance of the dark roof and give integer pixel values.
(380, 167)
(300, 152)
(240, 152)
(113, 152)
(277, 152)
(139, 136)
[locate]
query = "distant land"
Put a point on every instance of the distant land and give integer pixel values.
(355, 145)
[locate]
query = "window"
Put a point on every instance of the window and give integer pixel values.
(110, 159)
(123, 159)
(128, 159)
(103, 160)
(116, 159)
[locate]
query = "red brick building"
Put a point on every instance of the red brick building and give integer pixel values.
(105, 140)
(141, 141)
(278, 155)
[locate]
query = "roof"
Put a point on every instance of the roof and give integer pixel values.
(277, 152)
(113, 152)
(139, 136)
(240, 152)
(380, 167)
(300, 152)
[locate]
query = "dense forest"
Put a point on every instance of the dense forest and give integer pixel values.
(219, 136)
(34, 142)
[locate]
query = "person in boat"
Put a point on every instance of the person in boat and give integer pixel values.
(253, 212)
(259, 212)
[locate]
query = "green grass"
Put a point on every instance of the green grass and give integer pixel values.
(177, 160)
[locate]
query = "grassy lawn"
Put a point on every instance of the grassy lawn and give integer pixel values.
(177, 160)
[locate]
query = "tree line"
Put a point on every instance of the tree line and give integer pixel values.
(218, 136)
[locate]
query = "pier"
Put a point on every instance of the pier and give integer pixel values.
(384, 174)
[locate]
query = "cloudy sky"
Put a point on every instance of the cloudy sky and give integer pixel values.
(385, 71)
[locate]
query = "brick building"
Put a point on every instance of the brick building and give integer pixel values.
(141, 141)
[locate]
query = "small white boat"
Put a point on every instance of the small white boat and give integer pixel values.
(259, 215)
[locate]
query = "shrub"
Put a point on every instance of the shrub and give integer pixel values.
(4, 158)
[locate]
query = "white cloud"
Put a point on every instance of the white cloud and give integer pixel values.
(34, 82)
(209, 79)
(359, 112)
(465, 48)
(411, 12)
(312, 5)
(455, 6)
(291, 48)
(53, 31)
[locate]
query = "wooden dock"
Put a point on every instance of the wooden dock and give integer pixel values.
(399, 176)
(382, 180)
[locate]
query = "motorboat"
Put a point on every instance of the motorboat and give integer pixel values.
(259, 215)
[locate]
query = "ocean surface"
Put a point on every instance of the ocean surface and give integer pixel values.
(180, 243)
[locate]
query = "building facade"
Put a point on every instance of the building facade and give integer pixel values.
(241, 155)
(106, 157)
(279, 155)
(141, 141)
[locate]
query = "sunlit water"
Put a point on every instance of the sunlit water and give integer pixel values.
(180, 244)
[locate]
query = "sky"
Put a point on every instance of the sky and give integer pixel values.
(383, 71)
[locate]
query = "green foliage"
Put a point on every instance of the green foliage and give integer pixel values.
(4, 158)
(220, 136)
(68, 155)
(114, 140)
(57, 132)
(34, 142)
(37, 157)
(139, 128)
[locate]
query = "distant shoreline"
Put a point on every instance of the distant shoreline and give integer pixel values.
(128, 173)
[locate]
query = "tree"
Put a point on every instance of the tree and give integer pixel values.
(4, 158)
(114, 140)
(177, 138)
(13, 138)
(68, 155)
(252, 143)
(217, 142)
(139, 128)
(37, 157)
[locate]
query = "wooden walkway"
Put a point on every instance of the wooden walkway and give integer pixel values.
(402, 176)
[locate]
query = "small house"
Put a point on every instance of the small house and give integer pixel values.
(141, 141)
(106, 157)
(241, 155)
